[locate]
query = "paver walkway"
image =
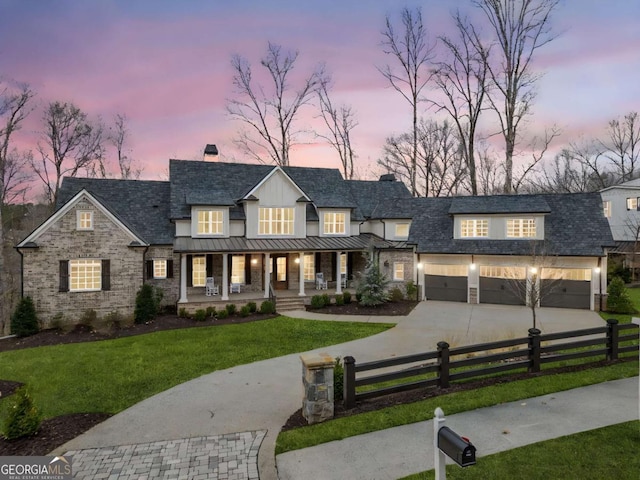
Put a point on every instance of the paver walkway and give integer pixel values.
(220, 457)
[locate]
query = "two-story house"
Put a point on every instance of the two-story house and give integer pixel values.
(230, 232)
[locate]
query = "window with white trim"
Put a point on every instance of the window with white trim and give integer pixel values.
(237, 269)
(84, 220)
(343, 263)
(276, 221)
(607, 208)
(632, 203)
(398, 271)
(334, 223)
(521, 227)
(402, 230)
(199, 271)
(85, 275)
(210, 222)
(160, 268)
(309, 267)
(474, 227)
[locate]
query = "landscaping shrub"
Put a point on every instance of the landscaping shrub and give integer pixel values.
(231, 308)
(339, 300)
(245, 311)
(619, 300)
(211, 311)
(267, 307)
(182, 313)
(615, 268)
(23, 417)
(317, 301)
(253, 308)
(396, 295)
(24, 321)
(411, 289)
(200, 315)
(222, 314)
(338, 381)
(347, 297)
(326, 299)
(89, 317)
(358, 297)
(147, 303)
(372, 286)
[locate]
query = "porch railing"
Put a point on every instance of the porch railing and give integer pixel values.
(272, 296)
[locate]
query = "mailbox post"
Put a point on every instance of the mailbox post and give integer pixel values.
(447, 443)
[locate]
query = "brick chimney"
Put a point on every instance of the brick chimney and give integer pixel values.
(210, 152)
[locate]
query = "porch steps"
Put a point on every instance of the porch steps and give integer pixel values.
(288, 304)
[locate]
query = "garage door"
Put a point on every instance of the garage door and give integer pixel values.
(565, 288)
(446, 282)
(502, 285)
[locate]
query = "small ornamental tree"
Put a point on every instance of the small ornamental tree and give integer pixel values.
(24, 321)
(619, 300)
(23, 418)
(372, 287)
(147, 304)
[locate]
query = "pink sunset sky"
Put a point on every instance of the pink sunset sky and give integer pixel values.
(166, 66)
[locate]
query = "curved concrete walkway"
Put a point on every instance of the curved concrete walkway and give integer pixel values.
(261, 396)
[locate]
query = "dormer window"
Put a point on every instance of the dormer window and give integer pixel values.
(402, 230)
(334, 223)
(210, 222)
(521, 228)
(632, 203)
(474, 228)
(84, 220)
(276, 221)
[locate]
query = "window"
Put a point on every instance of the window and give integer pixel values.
(632, 203)
(607, 208)
(334, 223)
(199, 271)
(85, 275)
(398, 271)
(445, 270)
(237, 269)
(276, 221)
(402, 230)
(494, 271)
(159, 269)
(343, 263)
(84, 220)
(521, 227)
(210, 222)
(474, 228)
(309, 267)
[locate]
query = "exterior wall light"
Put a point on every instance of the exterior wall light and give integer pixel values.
(472, 266)
(533, 270)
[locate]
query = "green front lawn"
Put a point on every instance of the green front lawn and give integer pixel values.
(111, 375)
(609, 452)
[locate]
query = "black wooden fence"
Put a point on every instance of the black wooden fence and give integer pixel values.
(528, 352)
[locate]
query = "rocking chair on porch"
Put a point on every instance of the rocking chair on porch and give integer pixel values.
(321, 283)
(210, 288)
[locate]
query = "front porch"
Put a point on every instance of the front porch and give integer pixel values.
(289, 299)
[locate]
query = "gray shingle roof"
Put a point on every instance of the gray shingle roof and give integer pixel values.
(143, 206)
(499, 204)
(574, 226)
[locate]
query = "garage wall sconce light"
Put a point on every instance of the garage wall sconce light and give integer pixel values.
(533, 270)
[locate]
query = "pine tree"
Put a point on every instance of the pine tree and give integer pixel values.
(372, 288)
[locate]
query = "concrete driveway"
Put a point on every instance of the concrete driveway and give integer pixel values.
(261, 396)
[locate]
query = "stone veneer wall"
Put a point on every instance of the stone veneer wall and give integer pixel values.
(62, 241)
(169, 286)
(395, 256)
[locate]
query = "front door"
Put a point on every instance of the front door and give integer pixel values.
(279, 275)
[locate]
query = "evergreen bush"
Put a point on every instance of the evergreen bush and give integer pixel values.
(23, 417)
(317, 301)
(211, 311)
(147, 304)
(200, 315)
(372, 287)
(245, 311)
(24, 321)
(253, 308)
(411, 289)
(326, 299)
(619, 300)
(222, 314)
(339, 300)
(347, 297)
(267, 307)
(396, 295)
(231, 308)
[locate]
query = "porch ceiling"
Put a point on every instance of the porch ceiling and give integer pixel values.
(241, 244)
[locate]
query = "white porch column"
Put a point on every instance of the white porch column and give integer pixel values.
(338, 274)
(267, 274)
(225, 277)
(183, 279)
(301, 272)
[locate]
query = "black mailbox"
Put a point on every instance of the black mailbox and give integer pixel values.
(459, 449)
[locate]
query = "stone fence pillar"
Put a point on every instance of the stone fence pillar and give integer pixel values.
(317, 378)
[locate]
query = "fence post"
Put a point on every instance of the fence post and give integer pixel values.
(349, 387)
(613, 333)
(443, 363)
(534, 350)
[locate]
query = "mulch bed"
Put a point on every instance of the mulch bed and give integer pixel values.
(55, 432)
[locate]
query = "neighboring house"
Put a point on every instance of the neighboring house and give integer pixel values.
(621, 205)
(270, 231)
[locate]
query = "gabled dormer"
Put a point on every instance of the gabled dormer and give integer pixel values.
(275, 207)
